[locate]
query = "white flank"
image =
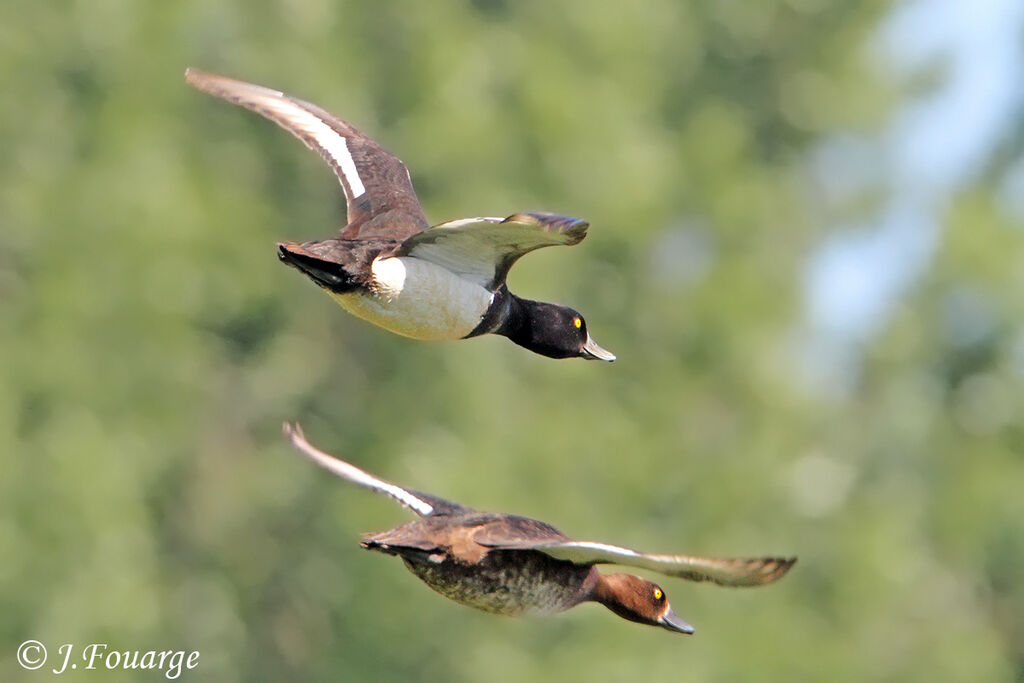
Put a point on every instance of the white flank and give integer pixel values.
(332, 143)
(419, 299)
(389, 276)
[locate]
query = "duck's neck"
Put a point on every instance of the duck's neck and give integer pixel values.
(599, 589)
(529, 324)
(608, 590)
(516, 323)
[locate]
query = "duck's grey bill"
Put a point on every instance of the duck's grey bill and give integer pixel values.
(591, 351)
(673, 623)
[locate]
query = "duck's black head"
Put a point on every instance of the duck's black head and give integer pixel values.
(551, 330)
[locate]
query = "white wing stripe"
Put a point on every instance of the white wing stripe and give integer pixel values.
(463, 222)
(476, 248)
(333, 144)
(725, 571)
(348, 167)
(587, 551)
(354, 474)
(575, 546)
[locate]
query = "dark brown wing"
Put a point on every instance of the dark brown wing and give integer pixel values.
(465, 536)
(509, 532)
(415, 536)
(378, 190)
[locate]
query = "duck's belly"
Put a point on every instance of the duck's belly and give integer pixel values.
(418, 299)
(509, 582)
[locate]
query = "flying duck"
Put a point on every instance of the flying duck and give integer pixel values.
(390, 267)
(506, 564)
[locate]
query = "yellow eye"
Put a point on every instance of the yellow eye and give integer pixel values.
(577, 322)
(658, 594)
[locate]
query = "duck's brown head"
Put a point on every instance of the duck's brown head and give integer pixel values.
(638, 600)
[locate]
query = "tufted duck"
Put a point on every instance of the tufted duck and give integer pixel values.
(513, 565)
(389, 267)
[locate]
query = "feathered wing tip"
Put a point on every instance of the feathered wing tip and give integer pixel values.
(407, 498)
(736, 572)
(483, 249)
(739, 572)
(378, 190)
(317, 129)
(573, 229)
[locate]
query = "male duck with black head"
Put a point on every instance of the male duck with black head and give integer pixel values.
(512, 565)
(389, 267)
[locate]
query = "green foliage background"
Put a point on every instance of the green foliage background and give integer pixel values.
(151, 347)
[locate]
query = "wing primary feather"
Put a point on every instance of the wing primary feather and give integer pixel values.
(293, 115)
(483, 249)
(353, 473)
(723, 571)
(574, 229)
(380, 198)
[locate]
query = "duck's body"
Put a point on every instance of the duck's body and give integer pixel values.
(512, 565)
(418, 299)
(391, 268)
(448, 553)
(510, 582)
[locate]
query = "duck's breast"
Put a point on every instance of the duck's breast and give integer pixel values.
(509, 582)
(418, 299)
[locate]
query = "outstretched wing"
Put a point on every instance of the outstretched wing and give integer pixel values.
(723, 571)
(420, 503)
(513, 532)
(483, 249)
(378, 189)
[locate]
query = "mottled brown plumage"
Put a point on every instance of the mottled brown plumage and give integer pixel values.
(512, 565)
